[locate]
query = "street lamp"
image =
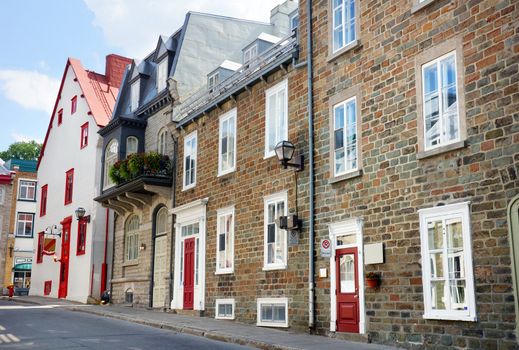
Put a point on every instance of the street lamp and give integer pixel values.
(80, 214)
(285, 152)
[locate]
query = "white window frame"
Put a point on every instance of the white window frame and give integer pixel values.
(294, 18)
(221, 213)
(441, 118)
(444, 212)
(109, 161)
(128, 151)
(135, 95)
(193, 153)
(213, 80)
(25, 222)
(250, 53)
(162, 144)
(162, 74)
(281, 135)
(346, 25)
(29, 184)
(232, 114)
(344, 105)
(274, 198)
(224, 302)
(276, 301)
(134, 235)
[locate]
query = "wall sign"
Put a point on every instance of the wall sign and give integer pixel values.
(326, 248)
(22, 260)
(293, 238)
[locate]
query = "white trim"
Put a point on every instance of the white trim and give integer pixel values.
(190, 205)
(344, 105)
(161, 82)
(458, 210)
(218, 302)
(276, 197)
(345, 23)
(343, 228)
(135, 95)
(232, 114)
(188, 138)
(269, 92)
(34, 181)
(261, 301)
(222, 213)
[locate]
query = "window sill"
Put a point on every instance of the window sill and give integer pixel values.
(224, 272)
(347, 176)
(17, 236)
(273, 324)
(441, 149)
(351, 46)
(421, 5)
(274, 267)
(224, 318)
(450, 318)
(26, 200)
(188, 187)
(131, 263)
(226, 174)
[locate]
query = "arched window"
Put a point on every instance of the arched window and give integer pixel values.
(110, 158)
(132, 144)
(161, 226)
(132, 238)
(162, 141)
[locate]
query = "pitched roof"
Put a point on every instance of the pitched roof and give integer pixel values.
(26, 166)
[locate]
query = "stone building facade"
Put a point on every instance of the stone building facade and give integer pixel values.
(6, 193)
(404, 179)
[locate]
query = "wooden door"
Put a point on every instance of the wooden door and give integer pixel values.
(189, 273)
(64, 264)
(159, 271)
(347, 290)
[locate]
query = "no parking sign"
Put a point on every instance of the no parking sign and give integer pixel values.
(326, 248)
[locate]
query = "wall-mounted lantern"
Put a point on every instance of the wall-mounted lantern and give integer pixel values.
(285, 152)
(80, 214)
(53, 230)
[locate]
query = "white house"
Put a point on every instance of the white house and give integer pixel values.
(72, 255)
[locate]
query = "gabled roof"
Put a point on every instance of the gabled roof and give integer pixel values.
(100, 94)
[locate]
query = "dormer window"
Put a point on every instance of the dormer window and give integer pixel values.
(294, 21)
(250, 53)
(135, 96)
(162, 74)
(212, 80)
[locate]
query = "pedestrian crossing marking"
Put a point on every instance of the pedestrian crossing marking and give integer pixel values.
(2, 328)
(9, 338)
(13, 337)
(4, 338)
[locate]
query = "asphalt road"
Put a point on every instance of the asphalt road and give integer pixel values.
(24, 326)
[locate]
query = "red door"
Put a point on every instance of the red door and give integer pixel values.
(189, 273)
(347, 290)
(65, 252)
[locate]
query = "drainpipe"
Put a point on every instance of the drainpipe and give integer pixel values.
(173, 204)
(311, 236)
(104, 271)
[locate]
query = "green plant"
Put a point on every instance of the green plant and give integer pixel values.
(140, 164)
(372, 276)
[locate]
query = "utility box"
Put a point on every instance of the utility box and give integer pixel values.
(373, 253)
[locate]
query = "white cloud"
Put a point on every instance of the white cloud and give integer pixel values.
(134, 25)
(24, 138)
(30, 89)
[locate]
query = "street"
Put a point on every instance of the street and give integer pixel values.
(24, 326)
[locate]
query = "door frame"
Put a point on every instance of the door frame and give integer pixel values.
(513, 226)
(154, 239)
(66, 222)
(192, 239)
(347, 228)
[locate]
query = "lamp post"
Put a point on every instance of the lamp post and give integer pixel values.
(285, 152)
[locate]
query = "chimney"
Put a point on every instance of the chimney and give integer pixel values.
(114, 69)
(279, 17)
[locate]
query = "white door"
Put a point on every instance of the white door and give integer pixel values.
(159, 271)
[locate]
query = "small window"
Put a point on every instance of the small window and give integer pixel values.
(132, 144)
(190, 153)
(39, 253)
(43, 201)
(272, 312)
(162, 146)
(276, 117)
(60, 117)
(24, 225)
(275, 239)
(128, 296)
(294, 21)
(224, 309)
(440, 102)
(225, 241)
(47, 287)
(135, 95)
(345, 147)
(69, 186)
(343, 23)
(81, 236)
(448, 280)
(161, 222)
(250, 53)
(227, 143)
(111, 155)
(213, 80)
(84, 135)
(132, 238)
(73, 105)
(27, 190)
(162, 74)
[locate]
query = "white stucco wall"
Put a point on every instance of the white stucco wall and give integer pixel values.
(63, 152)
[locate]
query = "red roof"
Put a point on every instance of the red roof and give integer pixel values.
(100, 91)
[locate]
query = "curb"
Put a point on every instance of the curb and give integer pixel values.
(21, 301)
(191, 331)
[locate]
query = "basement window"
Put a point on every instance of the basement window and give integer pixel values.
(273, 312)
(224, 309)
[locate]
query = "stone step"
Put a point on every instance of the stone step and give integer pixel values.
(195, 313)
(360, 338)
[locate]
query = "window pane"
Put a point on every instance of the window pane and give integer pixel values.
(279, 313)
(347, 273)
(271, 233)
(337, 38)
(435, 234)
(339, 139)
(221, 242)
(337, 17)
(437, 295)
(458, 295)
(339, 161)
(454, 233)
(344, 240)
(437, 265)
(266, 313)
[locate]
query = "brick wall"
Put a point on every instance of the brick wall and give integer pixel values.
(395, 184)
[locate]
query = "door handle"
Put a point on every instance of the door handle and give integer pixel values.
(355, 296)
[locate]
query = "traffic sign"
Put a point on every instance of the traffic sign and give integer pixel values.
(326, 248)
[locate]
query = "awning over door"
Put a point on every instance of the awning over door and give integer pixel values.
(23, 267)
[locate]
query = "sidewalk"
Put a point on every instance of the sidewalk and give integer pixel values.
(226, 331)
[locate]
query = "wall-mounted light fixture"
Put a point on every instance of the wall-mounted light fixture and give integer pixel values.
(11, 249)
(80, 214)
(53, 230)
(142, 246)
(285, 152)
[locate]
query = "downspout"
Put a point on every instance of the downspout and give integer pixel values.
(173, 204)
(311, 236)
(113, 257)
(104, 271)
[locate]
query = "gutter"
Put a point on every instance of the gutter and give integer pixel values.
(311, 237)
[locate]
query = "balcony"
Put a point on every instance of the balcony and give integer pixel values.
(137, 179)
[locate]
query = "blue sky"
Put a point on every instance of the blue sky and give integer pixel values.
(36, 37)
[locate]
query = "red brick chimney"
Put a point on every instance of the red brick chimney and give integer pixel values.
(114, 69)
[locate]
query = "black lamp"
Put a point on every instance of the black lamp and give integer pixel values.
(285, 152)
(80, 214)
